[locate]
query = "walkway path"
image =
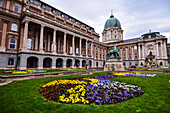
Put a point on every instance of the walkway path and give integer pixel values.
(9, 79)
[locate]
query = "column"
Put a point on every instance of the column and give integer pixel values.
(54, 41)
(80, 47)
(126, 53)
(36, 40)
(25, 35)
(65, 34)
(162, 52)
(86, 48)
(143, 51)
(157, 51)
(165, 50)
(132, 53)
(3, 39)
(121, 53)
(7, 5)
(139, 52)
(92, 49)
(49, 43)
(73, 45)
(102, 55)
(41, 38)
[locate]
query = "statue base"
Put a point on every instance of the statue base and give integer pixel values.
(114, 65)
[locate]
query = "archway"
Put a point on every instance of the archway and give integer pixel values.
(97, 64)
(69, 63)
(32, 62)
(90, 63)
(47, 63)
(77, 63)
(59, 62)
(83, 63)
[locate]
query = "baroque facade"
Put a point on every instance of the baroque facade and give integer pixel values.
(34, 34)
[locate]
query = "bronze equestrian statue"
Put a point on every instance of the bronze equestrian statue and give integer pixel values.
(114, 52)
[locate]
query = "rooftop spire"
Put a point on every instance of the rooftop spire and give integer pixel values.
(111, 14)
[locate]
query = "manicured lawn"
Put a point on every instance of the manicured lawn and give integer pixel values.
(23, 96)
(48, 71)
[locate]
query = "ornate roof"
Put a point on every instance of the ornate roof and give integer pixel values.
(112, 22)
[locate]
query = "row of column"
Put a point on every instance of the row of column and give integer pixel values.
(161, 50)
(54, 41)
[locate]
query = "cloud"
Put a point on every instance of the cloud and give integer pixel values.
(136, 17)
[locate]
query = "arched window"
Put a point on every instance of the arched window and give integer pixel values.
(29, 43)
(14, 27)
(115, 36)
(12, 43)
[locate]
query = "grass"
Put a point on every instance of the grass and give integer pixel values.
(48, 71)
(22, 96)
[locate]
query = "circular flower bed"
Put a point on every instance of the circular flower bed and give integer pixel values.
(89, 90)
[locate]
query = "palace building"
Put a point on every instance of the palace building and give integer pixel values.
(34, 34)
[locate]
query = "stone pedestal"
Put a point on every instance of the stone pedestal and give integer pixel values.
(114, 65)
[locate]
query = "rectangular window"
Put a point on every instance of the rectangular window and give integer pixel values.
(71, 52)
(0, 3)
(123, 56)
(136, 55)
(16, 9)
(62, 48)
(129, 55)
(10, 61)
(129, 48)
(123, 49)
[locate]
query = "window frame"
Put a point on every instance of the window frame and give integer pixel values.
(12, 43)
(130, 55)
(13, 25)
(115, 36)
(17, 7)
(31, 44)
(136, 55)
(0, 3)
(44, 46)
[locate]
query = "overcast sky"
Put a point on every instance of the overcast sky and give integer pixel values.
(136, 16)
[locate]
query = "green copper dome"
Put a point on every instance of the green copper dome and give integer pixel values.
(112, 22)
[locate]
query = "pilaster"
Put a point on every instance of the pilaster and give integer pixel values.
(24, 46)
(3, 39)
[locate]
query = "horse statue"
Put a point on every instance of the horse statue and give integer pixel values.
(114, 52)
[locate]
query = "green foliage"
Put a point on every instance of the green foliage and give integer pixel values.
(23, 96)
